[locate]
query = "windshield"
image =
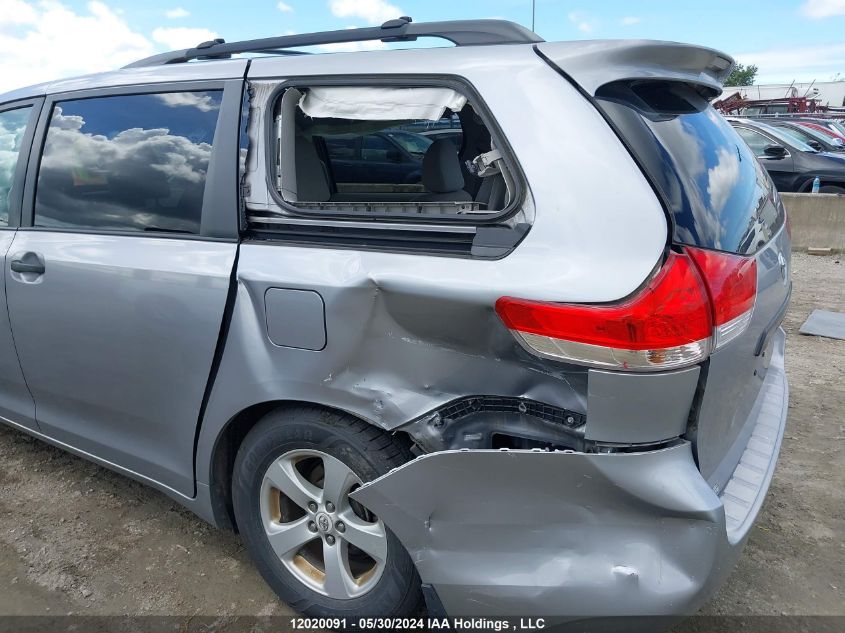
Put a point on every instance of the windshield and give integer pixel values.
(781, 135)
(415, 144)
(803, 136)
(823, 132)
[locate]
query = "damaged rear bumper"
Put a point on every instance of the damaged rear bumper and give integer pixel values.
(509, 532)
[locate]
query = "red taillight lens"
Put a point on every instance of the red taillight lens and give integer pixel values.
(670, 323)
(666, 324)
(732, 284)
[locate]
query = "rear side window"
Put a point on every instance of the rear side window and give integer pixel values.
(129, 163)
(718, 194)
(12, 128)
(387, 151)
(756, 141)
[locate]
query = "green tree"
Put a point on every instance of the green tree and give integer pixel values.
(742, 75)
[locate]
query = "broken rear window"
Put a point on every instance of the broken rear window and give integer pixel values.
(387, 151)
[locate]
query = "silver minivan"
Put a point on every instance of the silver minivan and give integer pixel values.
(532, 365)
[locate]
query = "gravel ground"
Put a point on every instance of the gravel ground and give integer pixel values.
(76, 538)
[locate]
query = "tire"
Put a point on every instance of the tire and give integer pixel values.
(832, 189)
(293, 449)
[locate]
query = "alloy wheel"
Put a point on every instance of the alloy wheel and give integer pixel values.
(328, 542)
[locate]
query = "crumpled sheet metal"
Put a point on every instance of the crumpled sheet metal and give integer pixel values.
(558, 533)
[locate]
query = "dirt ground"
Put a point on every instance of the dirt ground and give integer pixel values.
(76, 538)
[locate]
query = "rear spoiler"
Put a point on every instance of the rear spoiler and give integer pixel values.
(592, 64)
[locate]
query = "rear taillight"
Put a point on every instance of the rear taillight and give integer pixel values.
(732, 284)
(698, 300)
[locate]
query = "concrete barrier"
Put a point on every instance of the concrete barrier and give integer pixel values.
(817, 219)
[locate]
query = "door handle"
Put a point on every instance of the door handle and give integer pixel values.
(24, 267)
(28, 263)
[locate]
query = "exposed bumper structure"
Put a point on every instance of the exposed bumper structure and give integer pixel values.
(575, 534)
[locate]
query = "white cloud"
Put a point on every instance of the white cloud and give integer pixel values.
(630, 20)
(284, 7)
(141, 159)
(178, 12)
(47, 40)
(818, 9)
(372, 11)
(722, 177)
(12, 126)
(182, 37)
(582, 21)
(14, 12)
(202, 101)
(801, 64)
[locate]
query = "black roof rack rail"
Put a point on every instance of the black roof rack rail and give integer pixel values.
(459, 32)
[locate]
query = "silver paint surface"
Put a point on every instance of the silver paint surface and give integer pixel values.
(596, 242)
(576, 534)
(760, 447)
(16, 403)
(556, 534)
(295, 318)
(116, 339)
(593, 63)
(637, 408)
(207, 70)
(735, 375)
(400, 342)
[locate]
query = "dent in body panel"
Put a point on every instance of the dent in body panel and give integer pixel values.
(408, 333)
(557, 533)
(392, 354)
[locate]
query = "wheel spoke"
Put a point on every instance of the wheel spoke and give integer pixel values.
(335, 526)
(337, 481)
(284, 476)
(338, 582)
(288, 538)
(368, 537)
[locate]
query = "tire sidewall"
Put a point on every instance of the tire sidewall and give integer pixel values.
(275, 436)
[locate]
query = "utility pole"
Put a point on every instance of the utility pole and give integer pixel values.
(533, 11)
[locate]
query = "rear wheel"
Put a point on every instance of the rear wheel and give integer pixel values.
(832, 189)
(320, 551)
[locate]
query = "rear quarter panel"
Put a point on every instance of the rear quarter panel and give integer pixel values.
(406, 333)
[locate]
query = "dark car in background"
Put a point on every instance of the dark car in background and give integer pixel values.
(791, 163)
(456, 136)
(386, 156)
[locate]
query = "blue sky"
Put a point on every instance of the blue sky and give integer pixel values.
(43, 39)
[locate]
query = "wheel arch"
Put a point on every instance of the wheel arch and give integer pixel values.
(228, 441)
